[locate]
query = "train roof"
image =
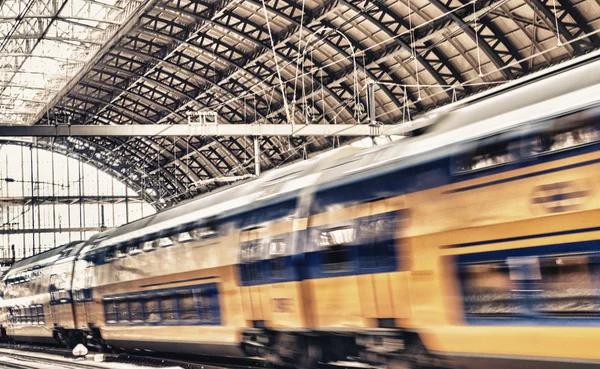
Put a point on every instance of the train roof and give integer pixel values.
(49, 256)
(233, 200)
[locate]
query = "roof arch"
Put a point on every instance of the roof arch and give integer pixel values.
(226, 56)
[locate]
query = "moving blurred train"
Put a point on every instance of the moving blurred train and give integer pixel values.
(473, 244)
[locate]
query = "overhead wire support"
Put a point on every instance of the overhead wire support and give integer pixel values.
(281, 86)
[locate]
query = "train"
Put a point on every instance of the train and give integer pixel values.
(472, 243)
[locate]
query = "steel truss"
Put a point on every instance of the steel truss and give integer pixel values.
(187, 55)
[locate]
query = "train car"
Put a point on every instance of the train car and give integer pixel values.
(186, 280)
(36, 300)
(493, 217)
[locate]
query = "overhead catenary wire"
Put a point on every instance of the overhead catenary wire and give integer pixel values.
(363, 51)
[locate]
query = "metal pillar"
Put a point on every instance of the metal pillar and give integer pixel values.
(256, 156)
(32, 201)
(371, 102)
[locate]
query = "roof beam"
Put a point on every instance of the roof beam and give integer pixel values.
(214, 130)
(131, 23)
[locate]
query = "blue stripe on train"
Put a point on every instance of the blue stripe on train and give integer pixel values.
(395, 181)
(344, 261)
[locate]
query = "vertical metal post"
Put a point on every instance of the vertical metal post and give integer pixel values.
(32, 202)
(371, 102)
(126, 205)
(102, 225)
(53, 193)
(256, 156)
(80, 196)
(39, 213)
(23, 216)
(68, 194)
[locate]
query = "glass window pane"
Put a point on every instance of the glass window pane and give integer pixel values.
(567, 286)
(110, 310)
(168, 308)
(135, 309)
(150, 309)
(123, 310)
(489, 291)
(187, 306)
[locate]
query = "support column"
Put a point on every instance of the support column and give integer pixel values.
(32, 201)
(371, 102)
(256, 156)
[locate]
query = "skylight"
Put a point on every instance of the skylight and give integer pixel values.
(44, 43)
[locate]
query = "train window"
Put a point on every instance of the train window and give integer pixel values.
(12, 315)
(17, 314)
(135, 309)
(151, 312)
(149, 245)
(110, 254)
(488, 153)
(27, 315)
(40, 314)
(121, 252)
(182, 237)
(277, 252)
(123, 310)
(377, 240)
(567, 286)
(64, 296)
(252, 250)
(34, 315)
(277, 247)
(135, 248)
(165, 242)
(566, 132)
(110, 310)
(168, 307)
(204, 305)
(31, 315)
(187, 306)
(337, 245)
(202, 233)
(488, 290)
(86, 294)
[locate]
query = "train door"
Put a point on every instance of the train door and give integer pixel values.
(253, 275)
(286, 305)
(87, 294)
(54, 298)
(377, 258)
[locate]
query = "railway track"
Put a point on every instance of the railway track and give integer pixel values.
(12, 360)
(32, 357)
(63, 358)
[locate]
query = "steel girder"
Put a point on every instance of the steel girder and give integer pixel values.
(568, 30)
(263, 74)
(493, 43)
(440, 68)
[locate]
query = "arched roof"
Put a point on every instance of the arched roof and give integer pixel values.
(227, 56)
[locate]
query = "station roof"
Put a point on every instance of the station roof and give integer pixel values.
(271, 61)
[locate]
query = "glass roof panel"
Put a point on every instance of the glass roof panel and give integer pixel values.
(44, 43)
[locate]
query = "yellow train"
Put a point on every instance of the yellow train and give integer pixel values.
(472, 245)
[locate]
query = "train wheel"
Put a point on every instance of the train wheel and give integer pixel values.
(415, 356)
(311, 354)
